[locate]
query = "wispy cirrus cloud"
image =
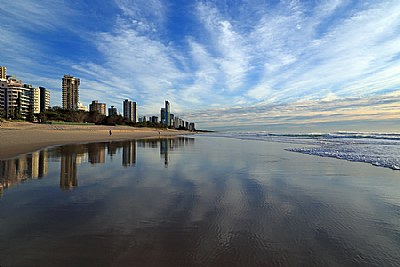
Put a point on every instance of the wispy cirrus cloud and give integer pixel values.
(249, 59)
(228, 47)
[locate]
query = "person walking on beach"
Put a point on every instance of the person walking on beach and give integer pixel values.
(110, 133)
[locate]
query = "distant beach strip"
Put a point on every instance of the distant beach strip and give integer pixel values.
(23, 137)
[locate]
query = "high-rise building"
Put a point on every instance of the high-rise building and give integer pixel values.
(44, 99)
(130, 110)
(99, 107)
(3, 94)
(3, 73)
(34, 98)
(70, 92)
(177, 122)
(167, 113)
(21, 100)
(171, 120)
(112, 111)
(17, 99)
(162, 113)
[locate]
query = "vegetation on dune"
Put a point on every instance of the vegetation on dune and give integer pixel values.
(57, 114)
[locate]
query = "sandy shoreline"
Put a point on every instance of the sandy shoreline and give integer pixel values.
(22, 137)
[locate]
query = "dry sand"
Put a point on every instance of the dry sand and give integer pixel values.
(23, 137)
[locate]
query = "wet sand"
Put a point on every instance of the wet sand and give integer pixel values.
(195, 201)
(22, 137)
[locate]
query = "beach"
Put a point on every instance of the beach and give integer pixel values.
(195, 201)
(22, 137)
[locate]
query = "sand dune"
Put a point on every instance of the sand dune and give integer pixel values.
(23, 137)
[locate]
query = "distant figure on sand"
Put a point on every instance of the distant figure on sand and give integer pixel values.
(110, 132)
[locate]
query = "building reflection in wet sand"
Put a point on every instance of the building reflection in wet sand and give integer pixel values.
(35, 165)
(129, 153)
(71, 156)
(25, 167)
(221, 202)
(168, 145)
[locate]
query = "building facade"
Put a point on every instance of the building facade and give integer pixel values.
(154, 119)
(167, 113)
(99, 107)
(162, 115)
(3, 93)
(3, 73)
(130, 111)
(70, 92)
(82, 107)
(44, 99)
(171, 120)
(112, 111)
(34, 98)
(17, 99)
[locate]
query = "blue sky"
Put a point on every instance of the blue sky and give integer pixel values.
(219, 63)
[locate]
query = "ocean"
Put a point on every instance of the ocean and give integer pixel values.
(379, 149)
(220, 199)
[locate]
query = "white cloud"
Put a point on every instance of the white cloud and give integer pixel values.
(230, 48)
(145, 15)
(253, 56)
(36, 15)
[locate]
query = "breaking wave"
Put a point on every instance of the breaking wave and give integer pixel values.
(379, 149)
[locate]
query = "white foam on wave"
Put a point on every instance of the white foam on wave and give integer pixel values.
(379, 149)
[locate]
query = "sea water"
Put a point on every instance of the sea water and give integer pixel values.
(198, 201)
(379, 149)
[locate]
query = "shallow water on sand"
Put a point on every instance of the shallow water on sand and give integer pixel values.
(199, 201)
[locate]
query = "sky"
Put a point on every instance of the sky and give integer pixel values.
(251, 64)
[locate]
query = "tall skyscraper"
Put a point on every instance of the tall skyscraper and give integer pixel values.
(44, 99)
(162, 113)
(130, 110)
(167, 113)
(70, 92)
(3, 72)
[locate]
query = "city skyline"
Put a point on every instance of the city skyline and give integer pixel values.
(241, 64)
(19, 100)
